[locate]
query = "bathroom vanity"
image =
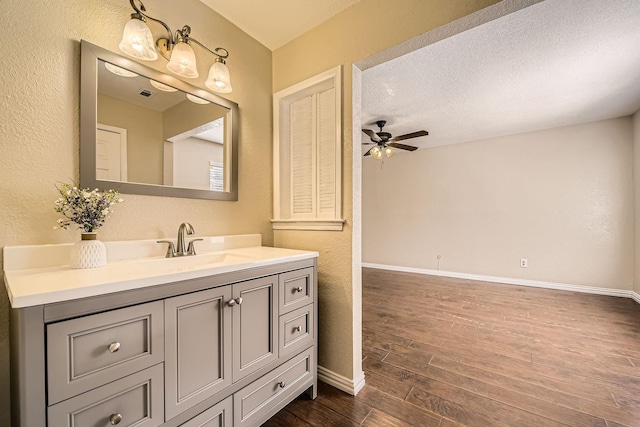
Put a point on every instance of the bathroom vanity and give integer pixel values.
(224, 338)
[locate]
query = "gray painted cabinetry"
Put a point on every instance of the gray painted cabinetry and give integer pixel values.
(226, 350)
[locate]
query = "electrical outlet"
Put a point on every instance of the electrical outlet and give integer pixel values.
(523, 262)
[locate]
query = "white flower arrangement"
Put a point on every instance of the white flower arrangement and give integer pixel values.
(88, 209)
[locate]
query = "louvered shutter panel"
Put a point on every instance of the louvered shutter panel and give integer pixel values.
(301, 142)
(327, 154)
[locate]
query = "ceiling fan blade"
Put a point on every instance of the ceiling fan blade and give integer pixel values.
(368, 153)
(402, 146)
(411, 135)
(372, 135)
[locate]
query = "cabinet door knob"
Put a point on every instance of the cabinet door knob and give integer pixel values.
(115, 419)
(113, 347)
(297, 328)
(298, 289)
(233, 302)
(281, 384)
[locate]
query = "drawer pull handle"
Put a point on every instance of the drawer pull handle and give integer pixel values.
(115, 419)
(113, 347)
(233, 302)
(298, 289)
(281, 384)
(297, 328)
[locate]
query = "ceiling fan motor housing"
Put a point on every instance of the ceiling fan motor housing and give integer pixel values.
(384, 136)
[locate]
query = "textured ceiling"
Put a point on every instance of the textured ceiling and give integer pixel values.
(274, 23)
(556, 63)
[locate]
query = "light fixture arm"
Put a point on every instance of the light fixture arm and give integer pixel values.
(220, 52)
(142, 16)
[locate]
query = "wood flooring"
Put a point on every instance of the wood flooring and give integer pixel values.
(450, 352)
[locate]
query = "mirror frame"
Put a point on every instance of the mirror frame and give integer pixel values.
(90, 55)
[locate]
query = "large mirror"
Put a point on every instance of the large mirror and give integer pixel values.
(145, 132)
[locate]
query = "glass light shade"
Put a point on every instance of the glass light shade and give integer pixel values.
(389, 151)
(376, 152)
(183, 61)
(137, 41)
(219, 80)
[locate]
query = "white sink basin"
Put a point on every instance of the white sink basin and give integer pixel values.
(189, 262)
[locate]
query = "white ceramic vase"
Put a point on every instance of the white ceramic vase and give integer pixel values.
(88, 252)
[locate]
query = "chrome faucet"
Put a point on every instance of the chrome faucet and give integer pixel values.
(184, 227)
(180, 250)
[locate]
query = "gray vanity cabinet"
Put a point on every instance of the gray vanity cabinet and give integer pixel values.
(222, 350)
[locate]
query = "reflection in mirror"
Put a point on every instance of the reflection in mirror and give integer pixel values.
(153, 134)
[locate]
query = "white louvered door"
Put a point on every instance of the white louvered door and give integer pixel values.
(313, 154)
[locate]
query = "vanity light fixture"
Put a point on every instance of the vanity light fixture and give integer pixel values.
(137, 41)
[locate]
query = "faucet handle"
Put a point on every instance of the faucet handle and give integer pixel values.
(191, 249)
(171, 250)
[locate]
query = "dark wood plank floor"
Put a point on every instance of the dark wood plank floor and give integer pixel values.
(449, 352)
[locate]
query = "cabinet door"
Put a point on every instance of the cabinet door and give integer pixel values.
(197, 348)
(219, 415)
(255, 325)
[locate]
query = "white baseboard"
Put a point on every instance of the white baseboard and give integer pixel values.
(341, 383)
(511, 281)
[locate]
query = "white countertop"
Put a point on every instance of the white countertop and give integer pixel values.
(44, 285)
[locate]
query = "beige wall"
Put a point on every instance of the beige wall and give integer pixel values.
(39, 127)
(188, 115)
(343, 40)
(562, 198)
(636, 217)
(144, 137)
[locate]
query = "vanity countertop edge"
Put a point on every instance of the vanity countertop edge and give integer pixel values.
(28, 287)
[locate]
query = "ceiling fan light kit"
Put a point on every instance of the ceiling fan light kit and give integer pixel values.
(385, 141)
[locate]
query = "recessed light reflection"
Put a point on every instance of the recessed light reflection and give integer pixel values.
(119, 71)
(197, 99)
(161, 86)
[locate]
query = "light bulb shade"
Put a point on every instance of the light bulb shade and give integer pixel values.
(183, 61)
(219, 80)
(376, 152)
(137, 41)
(389, 151)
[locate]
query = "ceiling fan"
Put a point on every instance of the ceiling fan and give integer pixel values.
(385, 142)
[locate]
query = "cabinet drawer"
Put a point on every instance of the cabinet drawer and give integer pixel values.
(296, 289)
(296, 330)
(87, 352)
(134, 400)
(264, 397)
(219, 415)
